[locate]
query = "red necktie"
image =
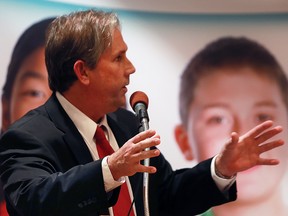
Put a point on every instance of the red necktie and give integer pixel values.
(123, 204)
(3, 210)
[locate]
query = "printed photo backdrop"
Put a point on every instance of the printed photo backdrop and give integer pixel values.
(160, 42)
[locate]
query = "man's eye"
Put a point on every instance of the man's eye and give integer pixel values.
(119, 58)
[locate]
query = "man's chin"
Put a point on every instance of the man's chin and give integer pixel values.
(124, 104)
(121, 104)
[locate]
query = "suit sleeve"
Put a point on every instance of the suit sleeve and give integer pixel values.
(188, 191)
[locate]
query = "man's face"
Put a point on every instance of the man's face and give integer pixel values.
(226, 102)
(111, 75)
(30, 88)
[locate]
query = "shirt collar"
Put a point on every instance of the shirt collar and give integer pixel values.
(83, 123)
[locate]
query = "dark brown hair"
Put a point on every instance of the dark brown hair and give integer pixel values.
(82, 35)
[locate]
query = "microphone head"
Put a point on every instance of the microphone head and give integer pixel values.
(139, 97)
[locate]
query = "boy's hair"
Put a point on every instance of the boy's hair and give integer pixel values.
(31, 39)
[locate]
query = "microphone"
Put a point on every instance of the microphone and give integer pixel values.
(139, 103)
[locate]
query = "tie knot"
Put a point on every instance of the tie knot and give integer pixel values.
(100, 134)
(102, 144)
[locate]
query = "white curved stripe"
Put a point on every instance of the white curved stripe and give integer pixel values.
(189, 6)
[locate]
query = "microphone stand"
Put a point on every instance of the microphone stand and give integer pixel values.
(145, 126)
(139, 103)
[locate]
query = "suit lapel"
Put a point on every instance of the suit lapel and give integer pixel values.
(72, 137)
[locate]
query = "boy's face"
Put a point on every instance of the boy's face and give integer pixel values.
(30, 88)
(226, 102)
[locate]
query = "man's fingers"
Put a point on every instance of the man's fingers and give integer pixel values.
(268, 134)
(148, 169)
(263, 161)
(150, 142)
(147, 154)
(271, 145)
(234, 138)
(147, 143)
(143, 135)
(254, 132)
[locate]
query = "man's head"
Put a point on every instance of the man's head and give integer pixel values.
(87, 63)
(81, 35)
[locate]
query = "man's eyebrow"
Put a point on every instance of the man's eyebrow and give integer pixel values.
(31, 74)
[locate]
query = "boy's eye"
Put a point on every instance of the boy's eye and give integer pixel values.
(216, 120)
(264, 117)
(34, 93)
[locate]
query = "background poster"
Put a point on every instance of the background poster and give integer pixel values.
(161, 37)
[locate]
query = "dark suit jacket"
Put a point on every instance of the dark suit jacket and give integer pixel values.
(46, 169)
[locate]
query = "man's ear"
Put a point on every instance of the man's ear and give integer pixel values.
(181, 137)
(5, 114)
(81, 72)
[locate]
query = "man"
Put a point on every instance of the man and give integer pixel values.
(50, 159)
